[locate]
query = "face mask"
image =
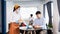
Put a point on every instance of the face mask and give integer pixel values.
(18, 10)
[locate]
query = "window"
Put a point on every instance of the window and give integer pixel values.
(26, 11)
(46, 15)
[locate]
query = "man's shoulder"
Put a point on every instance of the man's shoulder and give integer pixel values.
(41, 18)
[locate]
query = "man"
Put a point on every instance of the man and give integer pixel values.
(39, 23)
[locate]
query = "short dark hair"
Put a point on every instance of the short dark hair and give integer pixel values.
(31, 15)
(38, 12)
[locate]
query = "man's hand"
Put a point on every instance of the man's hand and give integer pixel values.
(37, 27)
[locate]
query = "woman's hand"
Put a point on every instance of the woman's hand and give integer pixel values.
(20, 21)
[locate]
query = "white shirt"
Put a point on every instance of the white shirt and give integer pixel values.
(31, 18)
(40, 22)
(15, 17)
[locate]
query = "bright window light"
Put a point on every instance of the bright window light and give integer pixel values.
(26, 11)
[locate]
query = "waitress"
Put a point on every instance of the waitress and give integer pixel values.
(16, 17)
(15, 20)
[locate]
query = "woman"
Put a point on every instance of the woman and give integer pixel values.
(31, 19)
(15, 21)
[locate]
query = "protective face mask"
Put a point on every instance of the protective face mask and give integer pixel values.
(18, 10)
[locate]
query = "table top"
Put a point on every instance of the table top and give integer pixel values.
(25, 28)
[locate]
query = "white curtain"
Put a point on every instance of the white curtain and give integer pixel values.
(46, 15)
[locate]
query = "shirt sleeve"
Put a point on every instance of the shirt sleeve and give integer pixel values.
(12, 18)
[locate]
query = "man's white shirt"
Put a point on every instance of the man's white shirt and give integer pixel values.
(40, 22)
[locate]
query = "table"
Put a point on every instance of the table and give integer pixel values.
(29, 30)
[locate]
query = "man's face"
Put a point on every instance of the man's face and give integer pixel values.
(38, 15)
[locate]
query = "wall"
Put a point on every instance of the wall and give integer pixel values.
(55, 17)
(9, 10)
